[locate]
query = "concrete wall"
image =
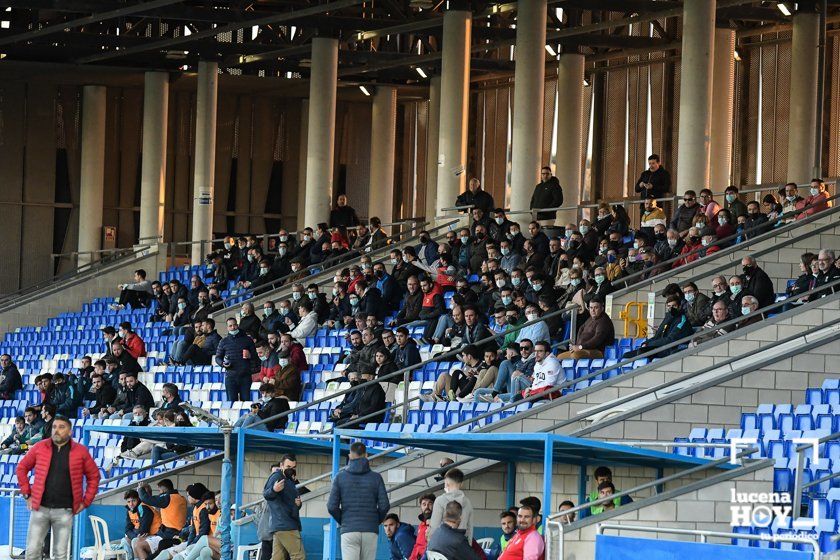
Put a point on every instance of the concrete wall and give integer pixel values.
(72, 295)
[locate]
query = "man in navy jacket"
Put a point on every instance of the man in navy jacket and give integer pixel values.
(238, 355)
(359, 503)
(281, 493)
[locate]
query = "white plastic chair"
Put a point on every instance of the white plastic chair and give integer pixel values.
(103, 547)
(244, 552)
(435, 556)
(486, 543)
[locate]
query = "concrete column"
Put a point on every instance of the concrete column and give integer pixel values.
(695, 94)
(153, 173)
(205, 158)
(321, 134)
(570, 132)
(454, 107)
(804, 70)
(304, 127)
(723, 96)
(92, 181)
(432, 143)
(383, 143)
(529, 88)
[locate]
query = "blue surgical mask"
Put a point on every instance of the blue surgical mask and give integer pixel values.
(284, 311)
(296, 296)
(537, 287)
(313, 296)
(138, 418)
(464, 239)
(599, 279)
(575, 281)
(516, 280)
(730, 198)
(584, 230)
(689, 297)
(182, 305)
(736, 289)
(505, 251)
(267, 311)
(745, 310)
(506, 300)
(234, 332)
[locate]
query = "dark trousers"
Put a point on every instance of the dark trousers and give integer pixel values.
(238, 387)
(196, 356)
(134, 299)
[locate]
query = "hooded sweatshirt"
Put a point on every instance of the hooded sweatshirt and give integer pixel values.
(440, 507)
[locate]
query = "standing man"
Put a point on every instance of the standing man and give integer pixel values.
(284, 504)
(238, 355)
(476, 197)
(359, 503)
(58, 492)
(547, 194)
(654, 180)
(452, 493)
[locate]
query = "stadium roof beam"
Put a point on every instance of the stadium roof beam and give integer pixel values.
(267, 20)
(94, 18)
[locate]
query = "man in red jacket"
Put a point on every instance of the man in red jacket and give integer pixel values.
(131, 341)
(57, 493)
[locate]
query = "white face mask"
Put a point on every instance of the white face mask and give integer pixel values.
(283, 362)
(672, 242)
(394, 261)
(501, 283)
(282, 251)
(500, 221)
(815, 192)
(532, 316)
(721, 220)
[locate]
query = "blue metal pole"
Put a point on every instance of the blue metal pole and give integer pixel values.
(336, 464)
(582, 485)
(224, 519)
(81, 521)
(240, 477)
(548, 467)
(510, 486)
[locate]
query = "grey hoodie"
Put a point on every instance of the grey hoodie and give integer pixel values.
(440, 507)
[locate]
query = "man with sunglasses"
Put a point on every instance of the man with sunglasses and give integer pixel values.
(519, 362)
(681, 221)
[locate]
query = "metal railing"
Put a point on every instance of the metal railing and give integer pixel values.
(289, 280)
(798, 486)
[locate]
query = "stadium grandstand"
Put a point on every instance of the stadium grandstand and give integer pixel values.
(407, 280)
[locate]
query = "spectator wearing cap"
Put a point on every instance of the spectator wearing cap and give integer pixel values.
(131, 341)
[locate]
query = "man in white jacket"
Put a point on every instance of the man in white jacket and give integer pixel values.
(308, 324)
(546, 370)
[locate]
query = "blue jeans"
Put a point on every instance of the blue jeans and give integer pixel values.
(238, 387)
(247, 420)
(517, 385)
(176, 351)
(161, 453)
(444, 322)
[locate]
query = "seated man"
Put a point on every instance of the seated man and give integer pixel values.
(520, 360)
(603, 477)
(720, 314)
(535, 331)
(400, 536)
(204, 345)
(140, 521)
(547, 372)
(367, 407)
(448, 539)
(605, 490)
(136, 294)
(458, 384)
(675, 326)
(594, 336)
(527, 543)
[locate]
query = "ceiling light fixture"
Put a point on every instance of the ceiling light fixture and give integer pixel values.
(783, 7)
(365, 90)
(550, 50)
(421, 72)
